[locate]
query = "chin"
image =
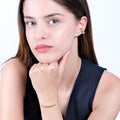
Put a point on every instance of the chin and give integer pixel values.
(49, 58)
(48, 61)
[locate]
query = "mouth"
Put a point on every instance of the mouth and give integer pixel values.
(43, 48)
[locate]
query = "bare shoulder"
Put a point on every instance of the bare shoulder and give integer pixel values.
(108, 87)
(14, 65)
(12, 89)
(109, 83)
(13, 73)
(107, 96)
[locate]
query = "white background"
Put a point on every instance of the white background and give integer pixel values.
(106, 32)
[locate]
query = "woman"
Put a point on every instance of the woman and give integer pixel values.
(55, 74)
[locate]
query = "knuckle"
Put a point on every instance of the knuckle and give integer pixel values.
(53, 67)
(42, 68)
(30, 73)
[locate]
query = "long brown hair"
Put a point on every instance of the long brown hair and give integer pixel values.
(85, 42)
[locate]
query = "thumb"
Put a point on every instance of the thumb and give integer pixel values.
(63, 62)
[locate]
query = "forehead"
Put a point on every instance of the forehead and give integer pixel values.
(41, 7)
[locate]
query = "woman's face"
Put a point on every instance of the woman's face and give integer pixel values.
(50, 29)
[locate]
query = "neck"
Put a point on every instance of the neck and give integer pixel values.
(71, 69)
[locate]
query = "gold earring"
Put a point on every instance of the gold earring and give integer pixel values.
(82, 31)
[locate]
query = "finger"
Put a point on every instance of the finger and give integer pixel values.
(34, 66)
(38, 66)
(42, 67)
(53, 65)
(63, 62)
(32, 69)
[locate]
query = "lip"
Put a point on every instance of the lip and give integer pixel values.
(42, 48)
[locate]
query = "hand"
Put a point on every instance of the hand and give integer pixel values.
(45, 79)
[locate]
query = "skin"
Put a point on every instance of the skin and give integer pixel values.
(54, 76)
(41, 29)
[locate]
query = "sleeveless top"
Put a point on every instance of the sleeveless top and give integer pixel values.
(81, 99)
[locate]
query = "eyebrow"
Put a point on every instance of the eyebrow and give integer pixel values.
(28, 17)
(53, 14)
(47, 16)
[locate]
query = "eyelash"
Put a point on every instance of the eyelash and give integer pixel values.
(32, 23)
(53, 20)
(28, 23)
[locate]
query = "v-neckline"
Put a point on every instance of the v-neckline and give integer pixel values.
(73, 91)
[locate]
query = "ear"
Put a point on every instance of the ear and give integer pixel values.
(81, 26)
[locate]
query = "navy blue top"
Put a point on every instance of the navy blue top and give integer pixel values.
(81, 99)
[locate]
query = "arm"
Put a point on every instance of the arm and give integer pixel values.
(51, 113)
(45, 80)
(106, 104)
(12, 90)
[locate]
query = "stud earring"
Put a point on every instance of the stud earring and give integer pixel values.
(82, 31)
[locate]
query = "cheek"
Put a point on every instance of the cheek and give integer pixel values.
(65, 36)
(29, 36)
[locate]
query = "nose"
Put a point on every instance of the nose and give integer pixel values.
(41, 32)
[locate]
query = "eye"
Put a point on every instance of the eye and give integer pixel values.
(30, 23)
(53, 21)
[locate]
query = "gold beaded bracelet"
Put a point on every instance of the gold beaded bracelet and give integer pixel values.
(47, 106)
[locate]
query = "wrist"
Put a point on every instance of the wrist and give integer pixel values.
(48, 106)
(47, 100)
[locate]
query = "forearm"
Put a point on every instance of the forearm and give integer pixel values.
(50, 109)
(45, 79)
(51, 113)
